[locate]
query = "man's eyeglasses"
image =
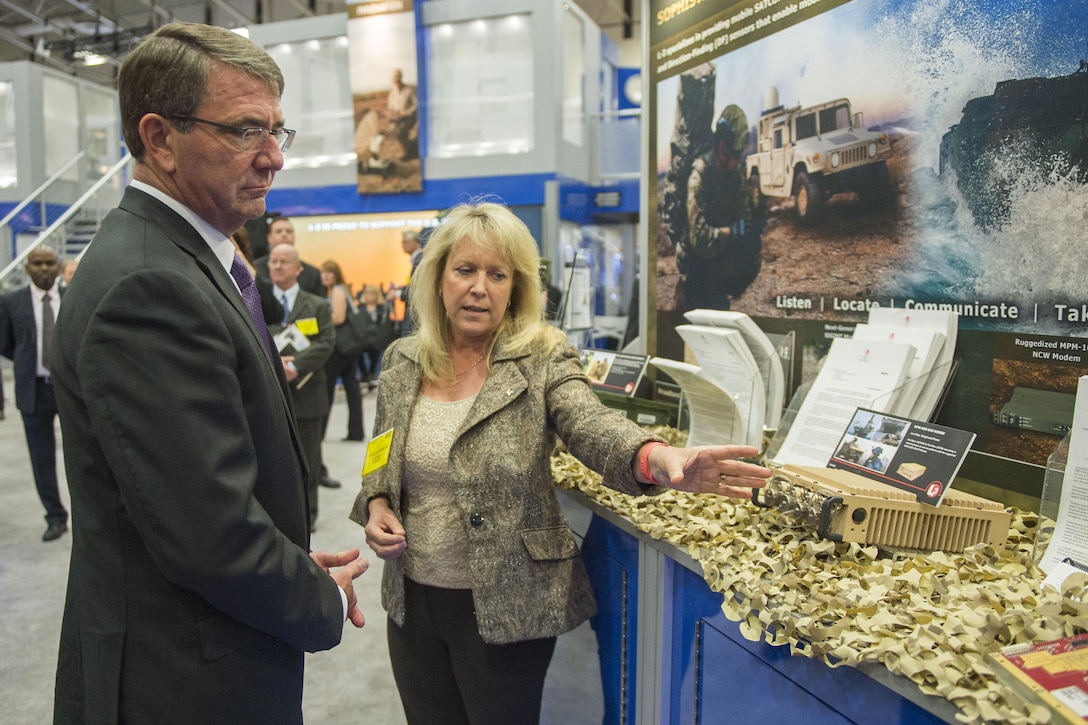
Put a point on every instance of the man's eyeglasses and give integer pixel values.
(250, 140)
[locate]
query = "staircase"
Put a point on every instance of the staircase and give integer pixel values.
(67, 229)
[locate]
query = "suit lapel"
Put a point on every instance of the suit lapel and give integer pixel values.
(301, 308)
(503, 386)
(186, 238)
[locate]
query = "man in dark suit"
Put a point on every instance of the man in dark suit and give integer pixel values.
(282, 231)
(192, 593)
(413, 247)
(306, 316)
(26, 323)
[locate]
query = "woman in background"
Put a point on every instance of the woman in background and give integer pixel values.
(342, 363)
(379, 333)
(481, 571)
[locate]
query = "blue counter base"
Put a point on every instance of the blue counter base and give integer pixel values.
(669, 654)
(719, 676)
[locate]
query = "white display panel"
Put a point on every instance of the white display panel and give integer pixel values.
(9, 172)
(317, 101)
(481, 87)
(60, 109)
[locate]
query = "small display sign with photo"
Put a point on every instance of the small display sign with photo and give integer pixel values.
(614, 372)
(919, 457)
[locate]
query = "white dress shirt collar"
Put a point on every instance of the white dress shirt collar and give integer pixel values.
(220, 245)
(291, 293)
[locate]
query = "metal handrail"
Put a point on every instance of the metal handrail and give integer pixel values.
(37, 192)
(68, 214)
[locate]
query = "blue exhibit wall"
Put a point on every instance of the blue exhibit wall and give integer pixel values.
(29, 220)
(514, 190)
(578, 202)
(524, 194)
(585, 204)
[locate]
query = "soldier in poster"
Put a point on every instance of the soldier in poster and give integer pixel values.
(719, 255)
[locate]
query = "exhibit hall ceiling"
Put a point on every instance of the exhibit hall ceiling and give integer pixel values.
(89, 39)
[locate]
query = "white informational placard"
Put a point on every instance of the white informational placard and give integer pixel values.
(855, 374)
(766, 357)
(1071, 529)
(927, 344)
(714, 416)
(942, 321)
(724, 358)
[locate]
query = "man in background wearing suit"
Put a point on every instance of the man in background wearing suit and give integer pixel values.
(282, 231)
(67, 271)
(410, 243)
(192, 593)
(27, 316)
(308, 316)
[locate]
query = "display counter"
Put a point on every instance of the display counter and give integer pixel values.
(685, 636)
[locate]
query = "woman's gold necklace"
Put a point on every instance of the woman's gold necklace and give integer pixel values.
(457, 376)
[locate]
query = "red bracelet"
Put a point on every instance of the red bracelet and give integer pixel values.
(644, 460)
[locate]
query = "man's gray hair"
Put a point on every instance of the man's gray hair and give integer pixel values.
(167, 73)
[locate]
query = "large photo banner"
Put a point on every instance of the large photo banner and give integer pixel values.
(384, 87)
(816, 159)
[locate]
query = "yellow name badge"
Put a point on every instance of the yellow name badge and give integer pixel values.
(377, 453)
(307, 326)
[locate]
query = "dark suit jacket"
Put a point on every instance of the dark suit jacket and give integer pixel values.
(19, 343)
(407, 325)
(309, 279)
(191, 593)
(308, 393)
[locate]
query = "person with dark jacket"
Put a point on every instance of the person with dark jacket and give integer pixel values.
(378, 323)
(281, 230)
(412, 245)
(193, 594)
(27, 317)
(305, 316)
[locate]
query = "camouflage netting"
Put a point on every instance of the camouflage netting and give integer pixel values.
(932, 618)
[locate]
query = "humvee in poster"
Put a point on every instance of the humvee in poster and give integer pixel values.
(814, 152)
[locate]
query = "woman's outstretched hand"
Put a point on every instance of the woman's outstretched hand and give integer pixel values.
(708, 469)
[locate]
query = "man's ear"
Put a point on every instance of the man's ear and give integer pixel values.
(159, 137)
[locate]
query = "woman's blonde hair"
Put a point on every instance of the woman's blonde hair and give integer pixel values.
(371, 288)
(494, 227)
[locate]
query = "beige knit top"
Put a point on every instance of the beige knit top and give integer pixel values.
(437, 552)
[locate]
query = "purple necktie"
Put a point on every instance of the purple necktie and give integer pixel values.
(248, 288)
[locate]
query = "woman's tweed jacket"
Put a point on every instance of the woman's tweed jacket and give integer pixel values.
(528, 577)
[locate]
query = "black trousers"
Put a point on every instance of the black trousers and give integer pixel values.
(448, 675)
(343, 367)
(41, 441)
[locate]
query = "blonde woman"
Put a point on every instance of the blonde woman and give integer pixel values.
(378, 323)
(481, 571)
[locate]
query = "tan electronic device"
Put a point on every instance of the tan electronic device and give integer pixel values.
(910, 471)
(843, 506)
